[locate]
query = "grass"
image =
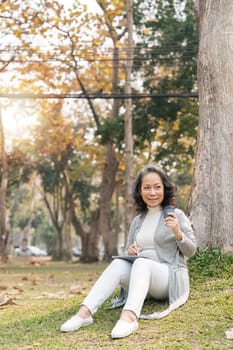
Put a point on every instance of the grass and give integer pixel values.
(47, 293)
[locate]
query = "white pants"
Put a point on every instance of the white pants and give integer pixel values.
(142, 278)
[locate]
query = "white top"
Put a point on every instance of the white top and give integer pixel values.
(145, 237)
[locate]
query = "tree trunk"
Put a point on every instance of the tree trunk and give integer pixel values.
(108, 184)
(106, 192)
(212, 189)
(89, 240)
(3, 189)
(128, 121)
(58, 218)
(67, 237)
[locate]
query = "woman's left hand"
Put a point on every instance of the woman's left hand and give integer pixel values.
(172, 222)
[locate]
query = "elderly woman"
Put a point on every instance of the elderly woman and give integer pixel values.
(154, 264)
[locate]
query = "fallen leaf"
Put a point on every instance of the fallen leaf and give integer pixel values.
(3, 288)
(5, 300)
(75, 289)
(229, 333)
(35, 263)
(24, 278)
(34, 282)
(18, 290)
(51, 276)
(58, 295)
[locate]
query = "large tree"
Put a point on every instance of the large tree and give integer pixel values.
(3, 189)
(212, 192)
(128, 121)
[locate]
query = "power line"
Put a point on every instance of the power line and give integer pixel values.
(98, 96)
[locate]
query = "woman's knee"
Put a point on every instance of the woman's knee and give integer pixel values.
(120, 265)
(141, 264)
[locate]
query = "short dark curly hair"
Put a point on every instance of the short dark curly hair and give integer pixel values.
(169, 187)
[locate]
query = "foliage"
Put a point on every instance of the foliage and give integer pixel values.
(44, 233)
(19, 170)
(20, 208)
(210, 263)
(112, 130)
(166, 58)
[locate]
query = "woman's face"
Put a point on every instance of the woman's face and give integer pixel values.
(152, 190)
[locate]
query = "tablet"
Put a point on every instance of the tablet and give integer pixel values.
(130, 258)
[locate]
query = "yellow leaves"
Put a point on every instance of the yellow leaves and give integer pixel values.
(118, 44)
(17, 33)
(6, 5)
(54, 134)
(95, 42)
(176, 125)
(118, 12)
(146, 31)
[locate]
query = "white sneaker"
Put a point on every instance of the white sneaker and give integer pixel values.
(75, 323)
(123, 328)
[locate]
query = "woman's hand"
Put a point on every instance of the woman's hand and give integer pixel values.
(172, 222)
(133, 249)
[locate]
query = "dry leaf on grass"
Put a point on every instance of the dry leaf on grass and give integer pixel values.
(51, 276)
(58, 295)
(24, 278)
(36, 263)
(14, 291)
(3, 287)
(5, 300)
(34, 282)
(229, 333)
(75, 289)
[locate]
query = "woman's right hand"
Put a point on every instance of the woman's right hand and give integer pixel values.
(133, 249)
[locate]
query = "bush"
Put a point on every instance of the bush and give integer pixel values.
(210, 263)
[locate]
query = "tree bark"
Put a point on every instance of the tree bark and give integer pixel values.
(58, 218)
(3, 189)
(106, 192)
(89, 240)
(211, 201)
(128, 121)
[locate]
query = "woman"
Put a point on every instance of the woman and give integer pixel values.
(160, 247)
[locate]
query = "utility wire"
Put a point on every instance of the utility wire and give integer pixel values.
(98, 96)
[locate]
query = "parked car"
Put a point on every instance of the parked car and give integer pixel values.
(30, 251)
(76, 252)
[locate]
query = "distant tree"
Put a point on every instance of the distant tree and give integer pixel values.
(4, 234)
(211, 202)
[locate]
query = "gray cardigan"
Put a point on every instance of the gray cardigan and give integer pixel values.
(171, 252)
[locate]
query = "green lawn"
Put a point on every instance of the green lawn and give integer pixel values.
(46, 294)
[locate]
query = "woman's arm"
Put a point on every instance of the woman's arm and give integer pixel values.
(183, 231)
(187, 244)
